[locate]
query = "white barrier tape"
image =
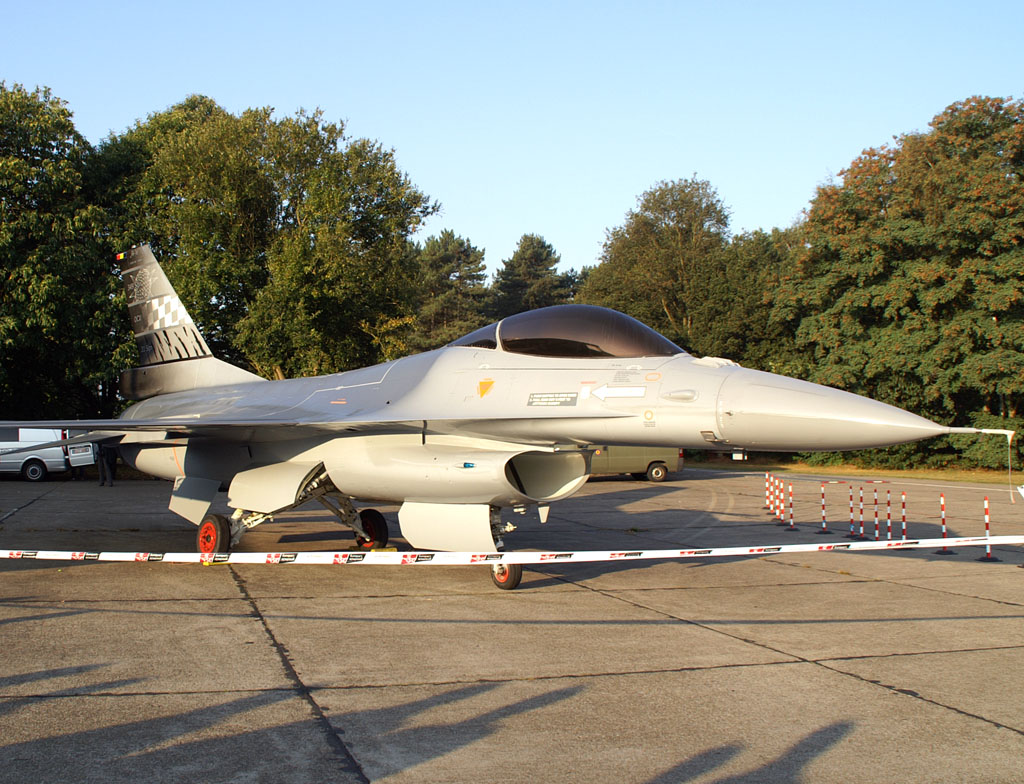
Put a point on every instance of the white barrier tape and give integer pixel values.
(393, 558)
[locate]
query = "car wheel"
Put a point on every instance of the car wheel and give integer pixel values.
(657, 472)
(34, 471)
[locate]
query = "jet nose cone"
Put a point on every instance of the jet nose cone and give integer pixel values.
(766, 412)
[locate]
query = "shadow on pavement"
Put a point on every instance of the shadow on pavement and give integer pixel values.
(786, 769)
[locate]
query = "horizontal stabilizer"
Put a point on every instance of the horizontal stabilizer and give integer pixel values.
(142, 382)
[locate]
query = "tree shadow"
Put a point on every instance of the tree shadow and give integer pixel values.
(698, 765)
(786, 769)
(393, 746)
(215, 742)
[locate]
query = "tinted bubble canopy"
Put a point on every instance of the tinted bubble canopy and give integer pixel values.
(572, 331)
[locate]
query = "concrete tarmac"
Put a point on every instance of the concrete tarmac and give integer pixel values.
(825, 667)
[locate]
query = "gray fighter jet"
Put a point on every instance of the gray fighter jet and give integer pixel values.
(501, 419)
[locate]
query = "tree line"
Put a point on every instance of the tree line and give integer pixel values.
(293, 247)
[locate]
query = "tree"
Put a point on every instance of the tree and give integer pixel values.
(910, 276)
(341, 278)
(656, 266)
(529, 279)
(732, 314)
(193, 181)
(452, 290)
(285, 239)
(60, 321)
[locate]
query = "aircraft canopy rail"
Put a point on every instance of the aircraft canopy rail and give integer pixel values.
(572, 331)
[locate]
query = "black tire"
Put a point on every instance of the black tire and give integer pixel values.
(507, 576)
(214, 535)
(34, 471)
(657, 472)
(376, 526)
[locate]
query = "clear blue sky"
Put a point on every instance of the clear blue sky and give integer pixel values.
(544, 117)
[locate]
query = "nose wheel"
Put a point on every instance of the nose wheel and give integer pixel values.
(506, 576)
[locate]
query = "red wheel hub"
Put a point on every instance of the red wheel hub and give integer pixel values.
(208, 537)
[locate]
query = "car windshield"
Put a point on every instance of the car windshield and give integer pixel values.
(572, 331)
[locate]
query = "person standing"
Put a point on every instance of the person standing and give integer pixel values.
(107, 464)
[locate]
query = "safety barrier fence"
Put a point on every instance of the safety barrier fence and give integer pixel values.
(775, 502)
(397, 558)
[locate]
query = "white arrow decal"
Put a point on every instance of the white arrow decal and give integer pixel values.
(604, 391)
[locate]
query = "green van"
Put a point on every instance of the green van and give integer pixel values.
(642, 462)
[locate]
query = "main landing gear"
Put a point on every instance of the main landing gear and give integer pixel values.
(214, 534)
(376, 528)
(219, 534)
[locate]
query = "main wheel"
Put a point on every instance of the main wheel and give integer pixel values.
(376, 526)
(34, 471)
(657, 472)
(214, 534)
(506, 576)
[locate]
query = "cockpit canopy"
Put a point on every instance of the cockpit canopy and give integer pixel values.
(576, 331)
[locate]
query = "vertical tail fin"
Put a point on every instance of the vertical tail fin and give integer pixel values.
(174, 356)
(164, 332)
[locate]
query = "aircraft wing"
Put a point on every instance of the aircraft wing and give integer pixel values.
(264, 429)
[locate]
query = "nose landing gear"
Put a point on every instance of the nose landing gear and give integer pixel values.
(507, 576)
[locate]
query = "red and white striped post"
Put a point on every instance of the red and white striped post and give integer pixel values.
(888, 514)
(987, 557)
(942, 504)
(860, 534)
(767, 495)
(781, 496)
(877, 535)
(852, 534)
(792, 525)
(824, 523)
(903, 516)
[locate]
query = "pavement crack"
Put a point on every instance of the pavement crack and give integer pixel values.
(855, 578)
(78, 695)
(571, 676)
(27, 504)
(348, 761)
(899, 654)
(917, 696)
(690, 622)
(796, 658)
(948, 592)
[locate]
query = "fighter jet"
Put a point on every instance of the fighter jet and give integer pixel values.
(503, 419)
